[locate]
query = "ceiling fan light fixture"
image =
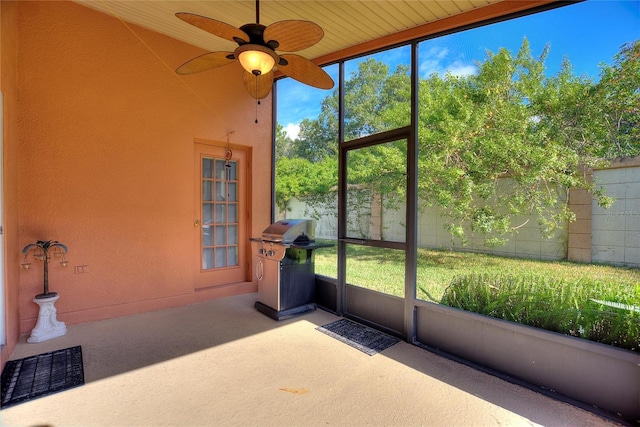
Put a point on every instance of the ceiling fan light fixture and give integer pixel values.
(256, 59)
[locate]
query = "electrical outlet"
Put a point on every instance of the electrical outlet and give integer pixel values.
(81, 269)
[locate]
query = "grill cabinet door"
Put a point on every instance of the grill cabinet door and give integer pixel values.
(268, 289)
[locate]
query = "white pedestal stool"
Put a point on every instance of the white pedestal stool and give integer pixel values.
(48, 325)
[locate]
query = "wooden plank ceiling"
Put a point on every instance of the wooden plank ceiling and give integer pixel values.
(345, 23)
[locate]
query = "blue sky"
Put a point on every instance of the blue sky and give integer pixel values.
(587, 33)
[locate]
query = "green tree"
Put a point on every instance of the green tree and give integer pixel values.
(298, 178)
(315, 139)
(307, 166)
(618, 94)
(495, 146)
(363, 99)
(317, 142)
(284, 143)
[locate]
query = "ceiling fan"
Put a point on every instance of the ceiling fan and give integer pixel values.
(257, 54)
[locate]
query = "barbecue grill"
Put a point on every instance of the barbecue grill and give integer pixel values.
(285, 269)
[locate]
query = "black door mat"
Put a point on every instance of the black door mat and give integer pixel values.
(364, 338)
(36, 376)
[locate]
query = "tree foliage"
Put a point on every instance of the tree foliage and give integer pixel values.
(298, 178)
(494, 147)
(619, 107)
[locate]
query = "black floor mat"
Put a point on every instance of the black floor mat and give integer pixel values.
(364, 338)
(36, 376)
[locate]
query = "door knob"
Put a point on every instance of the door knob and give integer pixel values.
(196, 223)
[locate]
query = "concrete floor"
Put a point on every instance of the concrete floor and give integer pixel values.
(222, 363)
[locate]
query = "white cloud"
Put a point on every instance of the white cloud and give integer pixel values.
(438, 52)
(459, 69)
(429, 67)
(292, 130)
(431, 60)
(436, 61)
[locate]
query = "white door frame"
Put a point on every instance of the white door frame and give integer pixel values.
(3, 314)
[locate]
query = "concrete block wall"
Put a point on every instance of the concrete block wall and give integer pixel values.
(615, 232)
(526, 242)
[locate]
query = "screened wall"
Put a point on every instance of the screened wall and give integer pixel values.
(454, 171)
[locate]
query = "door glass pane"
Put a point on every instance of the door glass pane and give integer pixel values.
(378, 269)
(232, 192)
(376, 192)
(221, 235)
(220, 213)
(232, 255)
(221, 257)
(221, 170)
(207, 236)
(219, 243)
(232, 234)
(207, 168)
(233, 213)
(207, 213)
(233, 171)
(221, 193)
(207, 193)
(207, 258)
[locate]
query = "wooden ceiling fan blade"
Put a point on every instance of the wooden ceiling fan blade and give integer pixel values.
(206, 62)
(293, 36)
(215, 27)
(305, 71)
(258, 86)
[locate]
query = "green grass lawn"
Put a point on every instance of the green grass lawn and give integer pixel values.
(595, 302)
(383, 269)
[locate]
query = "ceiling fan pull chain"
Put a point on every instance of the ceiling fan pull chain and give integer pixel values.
(257, 103)
(257, 99)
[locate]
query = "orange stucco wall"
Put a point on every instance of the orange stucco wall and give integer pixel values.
(105, 133)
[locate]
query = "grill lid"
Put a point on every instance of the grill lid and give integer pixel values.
(290, 230)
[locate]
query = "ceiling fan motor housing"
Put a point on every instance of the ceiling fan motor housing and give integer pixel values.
(256, 36)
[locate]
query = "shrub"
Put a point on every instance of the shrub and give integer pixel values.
(590, 309)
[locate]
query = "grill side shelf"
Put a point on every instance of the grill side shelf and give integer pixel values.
(310, 245)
